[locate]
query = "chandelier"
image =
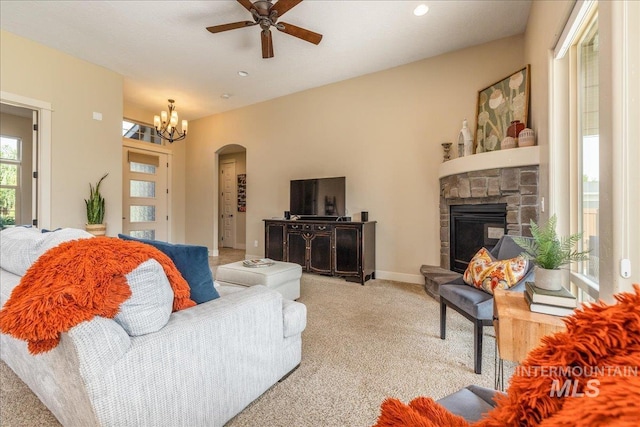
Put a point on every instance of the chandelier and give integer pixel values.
(167, 124)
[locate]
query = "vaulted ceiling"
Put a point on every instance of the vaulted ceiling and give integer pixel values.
(164, 51)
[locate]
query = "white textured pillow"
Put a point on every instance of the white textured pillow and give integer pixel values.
(20, 247)
(151, 302)
(17, 248)
(51, 239)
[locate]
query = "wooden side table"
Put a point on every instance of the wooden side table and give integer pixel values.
(518, 329)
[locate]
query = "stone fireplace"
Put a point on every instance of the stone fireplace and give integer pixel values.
(473, 227)
(508, 177)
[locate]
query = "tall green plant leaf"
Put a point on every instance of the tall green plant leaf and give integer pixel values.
(95, 204)
(549, 251)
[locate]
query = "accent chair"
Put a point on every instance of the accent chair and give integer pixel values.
(475, 304)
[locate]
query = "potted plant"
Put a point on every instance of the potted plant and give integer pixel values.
(95, 210)
(549, 252)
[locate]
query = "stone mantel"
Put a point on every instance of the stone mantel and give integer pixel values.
(507, 177)
(515, 157)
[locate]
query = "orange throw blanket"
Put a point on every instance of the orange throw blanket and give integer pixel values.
(598, 355)
(76, 281)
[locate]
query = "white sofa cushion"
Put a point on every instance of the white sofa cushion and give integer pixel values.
(17, 248)
(151, 302)
(20, 247)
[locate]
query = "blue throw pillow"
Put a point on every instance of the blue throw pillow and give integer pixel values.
(192, 262)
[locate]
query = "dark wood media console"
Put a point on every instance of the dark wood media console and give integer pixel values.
(336, 248)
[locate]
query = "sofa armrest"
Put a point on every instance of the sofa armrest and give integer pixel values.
(99, 343)
(295, 317)
(220, 355)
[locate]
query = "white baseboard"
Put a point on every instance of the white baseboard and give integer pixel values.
(400, 277)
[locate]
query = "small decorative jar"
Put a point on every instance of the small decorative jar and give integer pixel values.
(447, 150)
(526, 138)
(514, 130)
(508, 142)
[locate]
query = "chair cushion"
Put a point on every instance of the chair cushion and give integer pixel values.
(508, 249)
(472, 301)
(467, 404)
(486, 273)
(192, 262)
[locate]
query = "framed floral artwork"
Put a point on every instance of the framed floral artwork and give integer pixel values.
(498, 106)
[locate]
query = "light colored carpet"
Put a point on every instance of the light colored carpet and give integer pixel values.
(362, 344)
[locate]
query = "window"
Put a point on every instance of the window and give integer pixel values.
(588, 148)
(577, 55)
(602, 40)
(140, 132)
(10, 157)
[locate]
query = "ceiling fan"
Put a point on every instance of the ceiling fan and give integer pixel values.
(266, 14)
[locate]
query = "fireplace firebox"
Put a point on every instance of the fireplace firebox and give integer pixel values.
(473, 227)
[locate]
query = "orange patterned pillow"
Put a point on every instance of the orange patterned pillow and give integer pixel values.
(486, 273)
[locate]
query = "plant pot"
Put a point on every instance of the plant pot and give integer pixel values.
(96, 229)
(551, 280)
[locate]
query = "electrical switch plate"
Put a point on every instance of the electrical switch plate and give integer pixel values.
(625, 268)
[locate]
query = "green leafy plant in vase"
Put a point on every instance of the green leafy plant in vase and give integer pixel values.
(549, 252)
(95, 210)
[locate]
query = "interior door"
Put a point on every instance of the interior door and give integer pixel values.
(145, 198)
(34, 167)
(229, 190)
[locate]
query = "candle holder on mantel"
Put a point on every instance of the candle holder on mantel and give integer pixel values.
(447, 150)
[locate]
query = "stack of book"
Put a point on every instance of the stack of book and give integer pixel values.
(557, 303)
(260, 262)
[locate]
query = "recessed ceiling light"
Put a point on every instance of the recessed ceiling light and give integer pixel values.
(421, 10)
(225, 96)
(243, 73)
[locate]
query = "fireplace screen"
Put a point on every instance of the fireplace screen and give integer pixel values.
(473, 227)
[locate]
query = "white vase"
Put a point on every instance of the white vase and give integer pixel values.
(551, 280)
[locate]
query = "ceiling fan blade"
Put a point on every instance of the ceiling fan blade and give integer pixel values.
(232, 26)
(267, 44)
(300, 33)
(283, 6)
(246, 4)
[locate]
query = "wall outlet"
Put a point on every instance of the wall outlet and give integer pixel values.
(255, 243)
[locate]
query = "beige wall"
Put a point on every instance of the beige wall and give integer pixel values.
(83, 149)
(382, 131)
(21, 127)
(178, 156)
(545, 24)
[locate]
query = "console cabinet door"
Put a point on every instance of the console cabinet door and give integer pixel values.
(347, 250)
(320, 253)
(297, 248)
(275, 241)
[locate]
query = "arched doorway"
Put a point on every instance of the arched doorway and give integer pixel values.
(232, 202)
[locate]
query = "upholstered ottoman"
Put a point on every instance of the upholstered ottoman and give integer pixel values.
(283, 277)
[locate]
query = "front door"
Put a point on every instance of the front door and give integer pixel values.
(145, 199)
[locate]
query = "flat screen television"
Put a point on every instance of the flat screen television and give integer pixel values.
(319, 197)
